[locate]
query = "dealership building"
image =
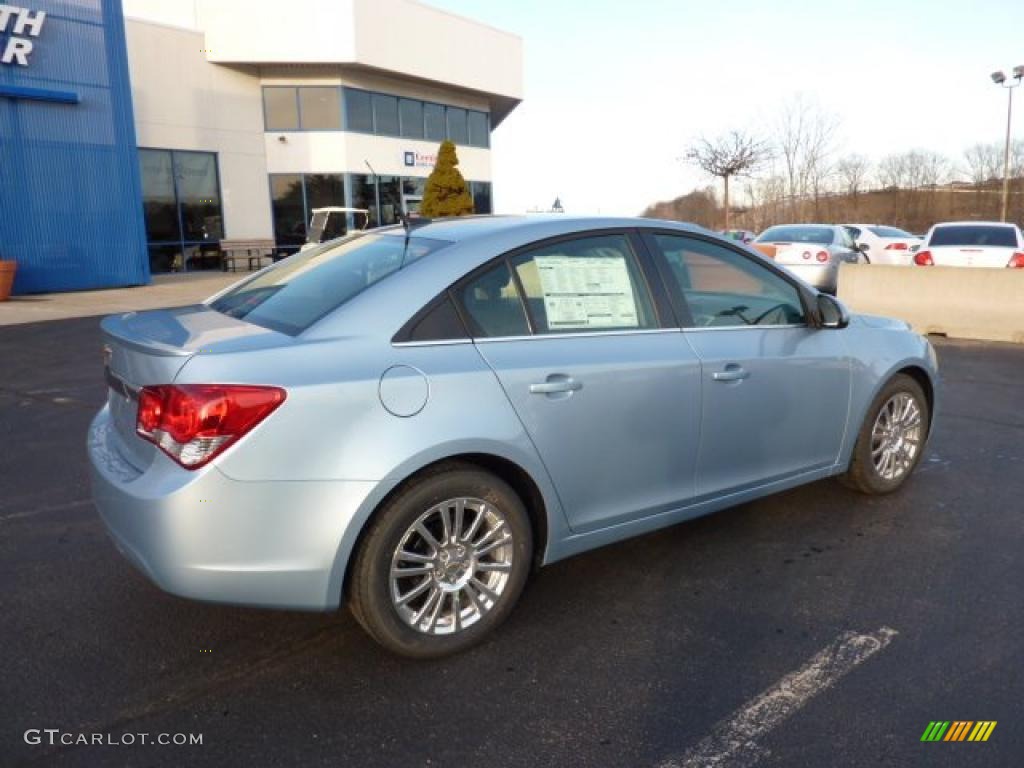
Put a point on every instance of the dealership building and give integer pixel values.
(135, 140)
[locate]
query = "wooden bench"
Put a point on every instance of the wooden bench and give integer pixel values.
(253, 251)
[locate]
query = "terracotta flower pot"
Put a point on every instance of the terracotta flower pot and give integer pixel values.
(7, 270)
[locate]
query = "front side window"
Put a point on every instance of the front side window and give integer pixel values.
(589, 284)
(302, 289)
(724, 288)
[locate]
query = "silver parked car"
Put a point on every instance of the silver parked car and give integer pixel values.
(813, 252)
(409, 422)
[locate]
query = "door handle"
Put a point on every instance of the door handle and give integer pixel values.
(556, 383)
(732, 372)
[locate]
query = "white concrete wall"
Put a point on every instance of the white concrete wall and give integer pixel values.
(960, 302)
(182, 101)
(336, 152)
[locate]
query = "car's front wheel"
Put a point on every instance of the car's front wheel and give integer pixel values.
(892, 438)
(442, 563)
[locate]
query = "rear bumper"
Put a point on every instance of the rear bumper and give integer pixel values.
(824, 277)
(204, 536)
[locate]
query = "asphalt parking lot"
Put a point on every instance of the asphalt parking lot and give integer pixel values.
(634, 655)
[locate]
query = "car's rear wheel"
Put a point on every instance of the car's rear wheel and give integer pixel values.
(892, 438)
(442, 563)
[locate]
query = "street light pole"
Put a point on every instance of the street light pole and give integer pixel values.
(1000, 79)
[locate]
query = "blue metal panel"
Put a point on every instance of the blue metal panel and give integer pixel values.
(70, 196)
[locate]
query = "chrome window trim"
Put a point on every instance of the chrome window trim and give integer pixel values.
(581, 334)
(431, 343)
(744, 327)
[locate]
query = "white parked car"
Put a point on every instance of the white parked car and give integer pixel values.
(884, 245)
(972, 244)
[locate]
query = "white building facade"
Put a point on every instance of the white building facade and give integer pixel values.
(248, 114)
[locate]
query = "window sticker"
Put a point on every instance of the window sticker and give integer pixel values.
(591, 292)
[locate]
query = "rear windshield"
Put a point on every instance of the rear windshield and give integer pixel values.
(889, 232)
(820, 235)
(303, 288)
(974, 234)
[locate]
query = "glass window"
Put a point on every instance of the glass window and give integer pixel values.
(182, 206)
(433, 121)
(320, 108)
(442, 322)
(457, 129)
(725, 288)
(492, 305)
(846, 238)
(280, 109)
(797, 234)
(411, 114)
(1004, 236)
(289, 209)
(158, 200)
(364, 195)
(198, 195)
(854, 231)
(589, 284)
(297, 292)
(479, 134)
(390, 199)
(889, 232)
(326, 190)
(385, 114)
(358, 111)
(481, 192)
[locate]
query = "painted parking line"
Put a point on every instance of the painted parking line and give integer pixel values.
(733, 742)
(43, 510)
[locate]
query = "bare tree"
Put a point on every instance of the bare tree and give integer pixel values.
(853, 173)
(805, 141)
(733, 154)
(984, 162)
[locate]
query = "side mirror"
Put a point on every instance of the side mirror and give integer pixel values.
(863, 247)
(832, 312)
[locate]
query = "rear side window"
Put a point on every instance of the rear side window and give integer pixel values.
(723, 288)
(492, 304)
(302, 289)
(977, 235)
(589, 284)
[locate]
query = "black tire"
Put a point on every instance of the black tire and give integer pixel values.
(370, 597)
(863, 475)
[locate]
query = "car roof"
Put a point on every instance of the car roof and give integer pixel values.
(466, 228)
(975, 224)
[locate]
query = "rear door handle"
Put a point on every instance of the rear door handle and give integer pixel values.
(555, 383)
(732, 372)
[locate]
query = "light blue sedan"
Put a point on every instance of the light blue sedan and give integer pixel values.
(411, 421)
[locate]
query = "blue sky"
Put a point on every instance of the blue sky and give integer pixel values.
(616, 90)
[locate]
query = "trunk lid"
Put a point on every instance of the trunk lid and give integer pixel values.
(147, 348)
(800, 253)
(971, 256)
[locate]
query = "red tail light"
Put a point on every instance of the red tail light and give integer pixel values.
(193, 423)
(822, 256)
(896, 247)
(924, 259)
(1016, 261)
